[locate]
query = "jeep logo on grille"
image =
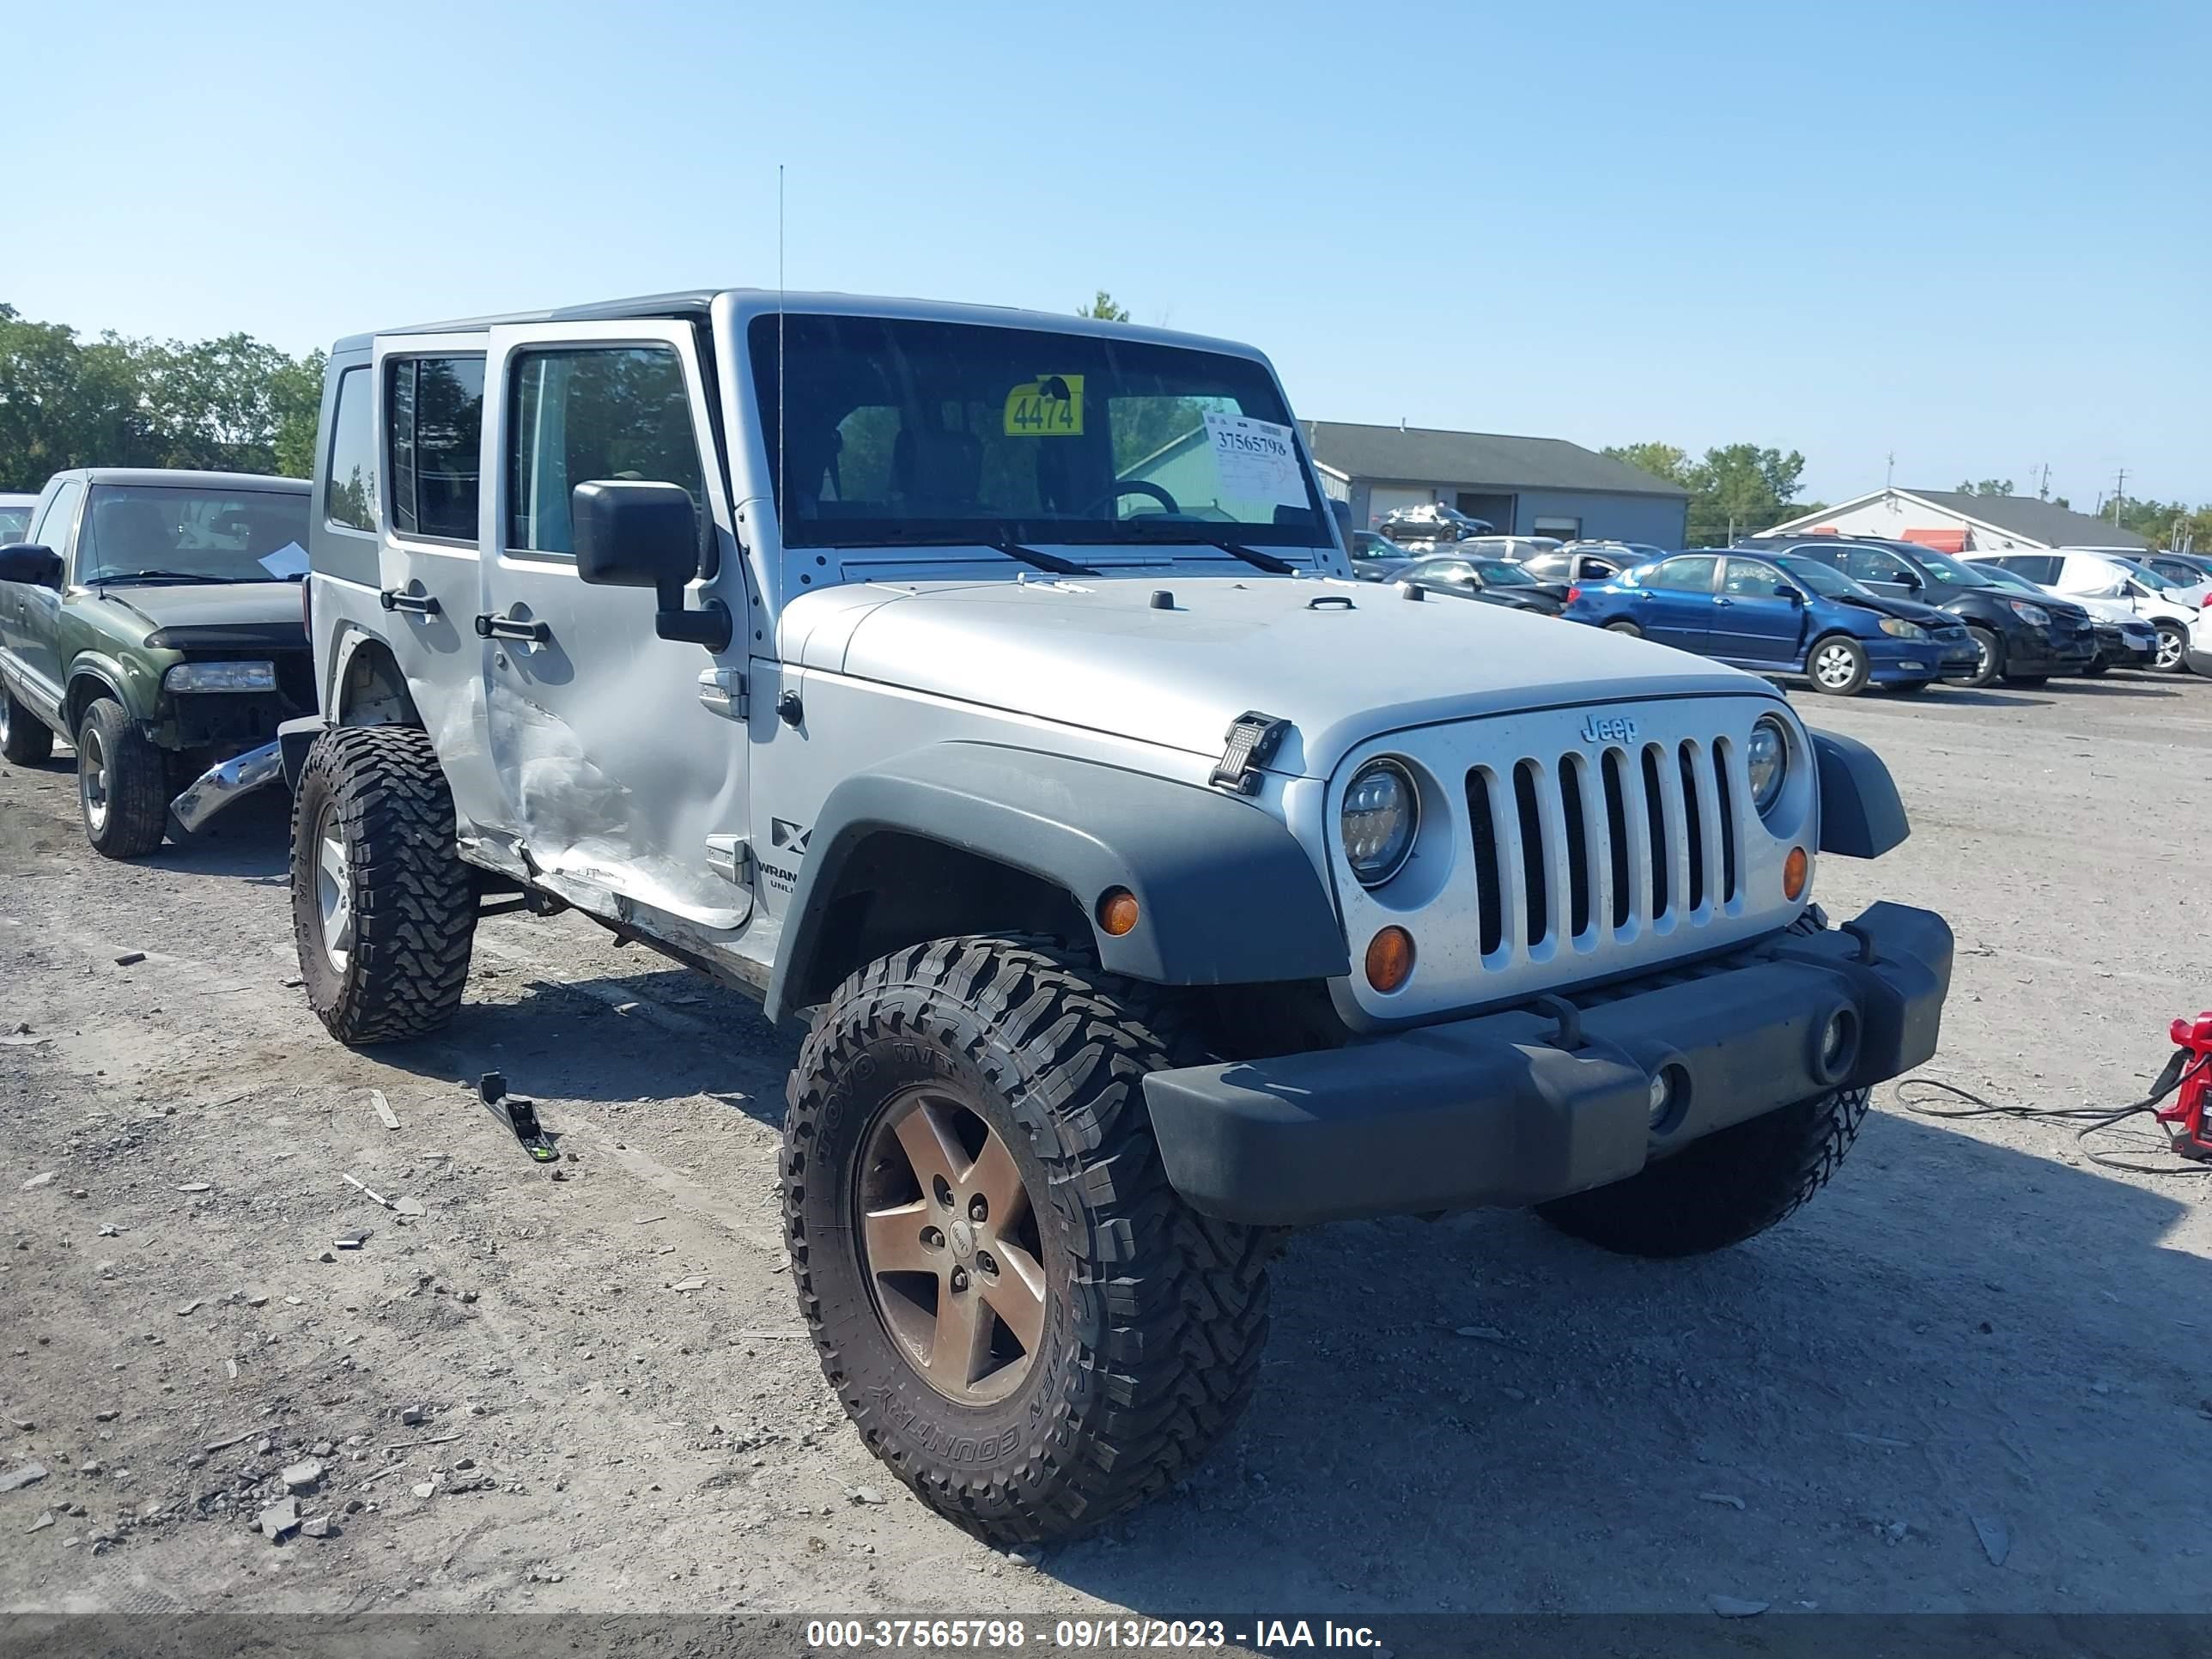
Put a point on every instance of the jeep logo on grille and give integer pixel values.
(1609, 728)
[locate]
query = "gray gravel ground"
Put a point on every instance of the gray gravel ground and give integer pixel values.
(1970, 1376)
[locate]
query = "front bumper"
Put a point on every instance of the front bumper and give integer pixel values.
(1891, 660)
(1494, 1111)
(2198, 661)
(219, 786)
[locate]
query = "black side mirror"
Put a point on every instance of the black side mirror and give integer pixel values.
(647, 535)
(27, 562)
(1908, 578)
(1783, 590)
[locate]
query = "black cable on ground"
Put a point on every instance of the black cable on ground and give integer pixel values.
(2092, 1118)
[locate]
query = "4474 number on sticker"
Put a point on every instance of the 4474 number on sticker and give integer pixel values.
(1050, 406)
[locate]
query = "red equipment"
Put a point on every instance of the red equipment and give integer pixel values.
(2192, 1111)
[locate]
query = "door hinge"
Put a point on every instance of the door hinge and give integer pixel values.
(723, 691)
(730, 858)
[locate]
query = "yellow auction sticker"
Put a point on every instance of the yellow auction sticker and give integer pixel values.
(1050, 406)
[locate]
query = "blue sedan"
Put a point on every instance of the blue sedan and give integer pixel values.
(1779, 614)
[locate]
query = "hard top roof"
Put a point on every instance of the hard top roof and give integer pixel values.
(182, 478)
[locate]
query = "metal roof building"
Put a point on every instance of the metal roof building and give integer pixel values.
(1957, 523)
(1522, 486)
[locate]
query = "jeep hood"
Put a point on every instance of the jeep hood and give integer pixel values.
(186, 608)
(1341, 661)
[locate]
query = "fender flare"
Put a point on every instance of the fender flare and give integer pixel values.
(1225, 893)
(1861, 814)
(104, 672)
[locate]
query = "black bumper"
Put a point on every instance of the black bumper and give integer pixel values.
(1493, 1111)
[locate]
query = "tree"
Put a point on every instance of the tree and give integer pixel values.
(1734, 489)
(1104, 309)
(1987, 487)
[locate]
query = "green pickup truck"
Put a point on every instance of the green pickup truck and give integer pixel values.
(152, 620)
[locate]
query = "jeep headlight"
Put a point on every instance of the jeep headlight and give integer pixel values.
(1898, 628)
(1766, 757)
(2034, 615)
(221, 676)
(1382, 810)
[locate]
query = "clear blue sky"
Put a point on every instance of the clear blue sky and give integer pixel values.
(1975, 234)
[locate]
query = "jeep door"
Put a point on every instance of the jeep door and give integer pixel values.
(428, 430)
(622, 754)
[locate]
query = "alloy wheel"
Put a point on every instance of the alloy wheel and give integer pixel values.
(1833, 667)
(949, 1244)
(2170, 644)
(333, 889)
(92, 776)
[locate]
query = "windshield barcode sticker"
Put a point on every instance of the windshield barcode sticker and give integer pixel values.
(1256, 460)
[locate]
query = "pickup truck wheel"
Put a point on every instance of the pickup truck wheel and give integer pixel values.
(24, 738)
(1729, 1187)
(383, 912)
(1017, 1311)
(120, 783)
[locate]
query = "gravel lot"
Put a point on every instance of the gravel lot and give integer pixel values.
(1970, 1377)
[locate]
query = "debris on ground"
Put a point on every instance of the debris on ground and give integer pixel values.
(374, 1196)
(299, 1476)
(46, 1519)
(384, 1111)
(1729, 1498)
(688, 1284)
(863, 1495)
(1996, 1536)
(38, 1181)
(130, 958)
(316, 1527)
(279, 1518)
(350, 1241)
(29, 1475)
(1734, 1607)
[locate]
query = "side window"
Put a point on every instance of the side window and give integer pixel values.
(597, 412)
(2036, 566)
(435, 406)
(349, 497)
(1747, 578)
(1870, 564)
(52, 529)
(1598, 570)
(1692, 576)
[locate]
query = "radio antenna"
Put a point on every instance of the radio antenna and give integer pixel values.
(782, 505)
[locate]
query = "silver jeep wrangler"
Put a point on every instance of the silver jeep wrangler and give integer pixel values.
(990, 690)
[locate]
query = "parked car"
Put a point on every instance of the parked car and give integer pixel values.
(14, 517)
(1494, 582)
(909, 753)
(2124, 640)
(1574, 563)
(1519, 548)
(2123, 581)
(2020, 640)
(1375, 558)
(1622, 555)
(1432, 521)
(152, 619)
(2198, 654)
(2181, 573)
(1776, 614)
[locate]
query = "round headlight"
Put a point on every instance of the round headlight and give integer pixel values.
(1382, 809)
(1766, 757)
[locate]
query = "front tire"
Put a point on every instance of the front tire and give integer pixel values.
(383, 912)
(120, 783)
(2172, 643)
(1017, 1311)
(1627, 627)
(1724, 1189)
(1839, 665)
(1992, 656)
(24, 738)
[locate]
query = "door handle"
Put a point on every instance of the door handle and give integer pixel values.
(1721, 602)
(416, 604)
(513, 628)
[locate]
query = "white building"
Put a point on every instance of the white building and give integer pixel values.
(1951, 522)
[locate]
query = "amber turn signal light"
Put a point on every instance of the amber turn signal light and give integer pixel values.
(1389, 959)
(1794, 869)
(1117, 910)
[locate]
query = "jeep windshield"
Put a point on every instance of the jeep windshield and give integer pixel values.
(905, 433)
(144, 532)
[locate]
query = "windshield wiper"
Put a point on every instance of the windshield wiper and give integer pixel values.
(1029, 555)
(106, 576)
(1251, 555)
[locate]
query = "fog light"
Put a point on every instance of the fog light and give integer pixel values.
(1794, 870)
(1836, 1040)
(1389, 959)
(1117, 910)
(1663, 1098)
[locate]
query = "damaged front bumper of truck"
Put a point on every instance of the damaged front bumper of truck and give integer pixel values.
(1515, 1107)
(220, 786)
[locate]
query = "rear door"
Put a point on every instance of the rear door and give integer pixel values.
(428, 417)
(37, 624)
(1753, 624)
(1678, 609)
(622, 754)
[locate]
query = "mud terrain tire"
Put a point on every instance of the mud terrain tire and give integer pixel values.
(374, 868)
(1031, 1060)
